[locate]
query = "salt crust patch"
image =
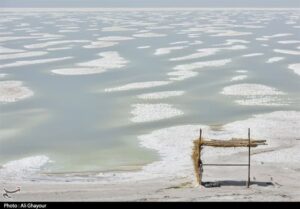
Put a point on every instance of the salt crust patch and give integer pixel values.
(143, 47)
(52, 43)
(23, 168)
(277, 35)
(241, 71)
(239, 78)
(115, 38)
(233, 41)
(289, 42)
(283, 51)
(199, 65)
(59, 48)
(109, 60)
(179, 42)
(13, 38)
(160, 95)
(250, 90)
(167, 50)
(231, 33)
(181, 75)
(207, 52)
(153, 112)
(3, 75)
(295, 68)
(5, 50)
(274, 59)
(253, 55)
(116, 29)
(22, 55)
(149, 35)
(254, 94)
(138, 85)
(32, 62)
(13, 91)
(174, 144)
(100, 44)
(185, 71)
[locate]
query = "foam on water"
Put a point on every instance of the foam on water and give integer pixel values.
(12, 91)
(153, 112)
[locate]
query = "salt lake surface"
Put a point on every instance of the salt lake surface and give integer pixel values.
(92, 91)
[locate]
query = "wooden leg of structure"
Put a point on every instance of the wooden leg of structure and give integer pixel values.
(249, 153)
(200, 161)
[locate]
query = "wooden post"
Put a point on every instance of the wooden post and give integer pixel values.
(249, 153)
(199, 160)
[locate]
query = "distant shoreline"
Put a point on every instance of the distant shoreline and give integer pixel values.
(89, 9)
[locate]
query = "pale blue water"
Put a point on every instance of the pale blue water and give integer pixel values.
(80, 127)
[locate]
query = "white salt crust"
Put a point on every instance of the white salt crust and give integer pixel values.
(255, 94)
(22, 55)
(160, 95)
(149, 35)
(138, 85)
(167, 50)
(109, 60)
(32, 62)
(153, 112)
(290, 52)
(274, 59)
(13, 91)
(295, 68)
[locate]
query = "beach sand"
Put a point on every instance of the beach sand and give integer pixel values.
(273, 182)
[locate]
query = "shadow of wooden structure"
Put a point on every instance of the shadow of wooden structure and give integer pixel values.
(234, 142)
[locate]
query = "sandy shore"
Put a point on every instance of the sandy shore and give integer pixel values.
(270, 182)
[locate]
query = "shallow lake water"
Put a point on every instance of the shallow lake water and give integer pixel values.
(81, 125)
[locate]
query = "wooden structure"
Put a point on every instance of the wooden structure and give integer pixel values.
(199, 143)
